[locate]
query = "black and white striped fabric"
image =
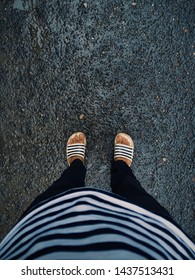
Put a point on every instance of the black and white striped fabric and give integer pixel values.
(87, 223)
(125, 151)
(75, 150)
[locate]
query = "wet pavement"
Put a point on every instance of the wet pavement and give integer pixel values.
(100, 67)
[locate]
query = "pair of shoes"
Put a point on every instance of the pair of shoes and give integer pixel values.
(123, 147)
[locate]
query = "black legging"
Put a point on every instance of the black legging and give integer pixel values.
(123, 183)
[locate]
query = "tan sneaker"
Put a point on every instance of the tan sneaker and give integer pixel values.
(123, 148)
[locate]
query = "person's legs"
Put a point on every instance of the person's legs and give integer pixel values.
(124, 183)
(72, 177)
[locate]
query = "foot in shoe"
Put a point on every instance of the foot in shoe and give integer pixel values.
(124, 139)
(79, 138)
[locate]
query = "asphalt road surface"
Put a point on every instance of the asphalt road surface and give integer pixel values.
(100, 67)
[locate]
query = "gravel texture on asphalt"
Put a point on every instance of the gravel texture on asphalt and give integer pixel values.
(100, 67)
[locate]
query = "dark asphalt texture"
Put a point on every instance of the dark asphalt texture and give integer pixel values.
(100, 67)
